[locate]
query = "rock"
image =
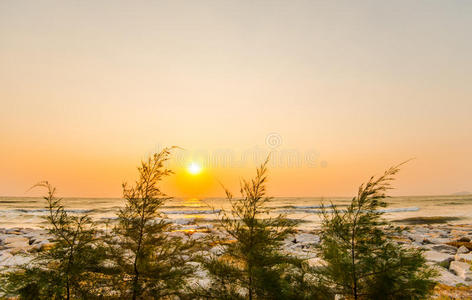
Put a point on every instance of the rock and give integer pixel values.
(14, 239)
(16, 260)
(439, 258)
(402, 241)
(307, 238)
(46, 245)
(417, 238)
(462, 250)
(420, 229)
(457, 233)
(16, 242)
(464, 239)
(31, 235)
(461, 269)
(218, 250)
(201, 277)
(178, 234)
(447, 278)
(39, 245)
(468, 245)
(445, 249)
(429, 241)
(108, 263)
(4, 255)
(15, 231)
(36, 248)
(198, 235)
(315, 262)
(36, 241)
(467, 257)
(432, 240)
(22, 250)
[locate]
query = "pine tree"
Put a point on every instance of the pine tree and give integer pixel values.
(362, 261)
(64, 270)
(148, 262)
(252, 265)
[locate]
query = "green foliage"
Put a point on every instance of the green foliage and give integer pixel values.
(139, 259)
(148, 262)
(362, 261)
(252, 265)
(62, 271)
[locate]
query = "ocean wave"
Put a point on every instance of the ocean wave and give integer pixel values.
(191, 212)
(292, 211)
(300, 206)
(319, 211)
(400, 209)
(108, 218)
(40, 212)
(43, 210)
(313, 209)
(184, 206)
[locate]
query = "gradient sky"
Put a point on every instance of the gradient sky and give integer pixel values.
(346, 88)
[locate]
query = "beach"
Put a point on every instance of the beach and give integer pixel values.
(446, 246)
(445, 238)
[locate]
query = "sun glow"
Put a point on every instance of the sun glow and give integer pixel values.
(194, 168)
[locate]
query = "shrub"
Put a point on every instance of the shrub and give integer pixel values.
(362, 262)
(252, 265)
(148, 262)
(63, 270)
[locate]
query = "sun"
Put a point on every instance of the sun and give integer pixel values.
(194, 168)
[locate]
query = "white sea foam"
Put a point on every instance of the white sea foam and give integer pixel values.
(400, 209)
(30, 211)
(319, 211)
(183, 221)
(191, 212)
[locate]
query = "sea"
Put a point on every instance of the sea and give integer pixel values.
(27, 212)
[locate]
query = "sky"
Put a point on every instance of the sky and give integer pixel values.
(336, 91)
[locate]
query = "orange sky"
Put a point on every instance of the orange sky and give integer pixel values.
(87, 89)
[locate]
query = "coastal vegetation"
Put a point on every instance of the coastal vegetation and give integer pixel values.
(65, 269)
(362, 259)
(139, 257)
(252, 265)
(146, 262)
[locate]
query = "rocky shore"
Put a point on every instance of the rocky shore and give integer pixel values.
(446, 246)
